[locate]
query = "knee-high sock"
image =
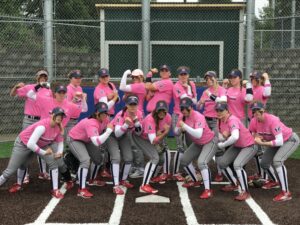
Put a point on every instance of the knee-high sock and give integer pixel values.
(190, 169)
(271, 173)
(54, 178)
(125, 170)
(82, 174)
(205, 173)
(229, 175)
(115, 170)
(242, 176)
(156, 171)
(167, 156)
(282, 175)
(20, 176)
(94, 171)
(149, 170)
(177, 158)
(2, 180)
(42, 165)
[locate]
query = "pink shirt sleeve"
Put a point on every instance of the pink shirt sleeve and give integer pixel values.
(138, 88)
(233, 124)
(150, 127)
(22, 92)
(276, 127)
(92, 130)
(162, 85)
(252, 127)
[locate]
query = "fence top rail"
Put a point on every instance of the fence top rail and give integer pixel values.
(275, 30)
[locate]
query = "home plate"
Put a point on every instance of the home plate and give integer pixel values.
(152, 199)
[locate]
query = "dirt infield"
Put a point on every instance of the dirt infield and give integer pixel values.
(26, 206)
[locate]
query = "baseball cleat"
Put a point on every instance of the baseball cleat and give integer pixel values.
(283, 196)
(219, 178)
(44, 176)
(207, 193)
(26, 179)
(160, 179)
(191, 184)
(148, 189)
(137, 173)
(69, 185)
(99, 183)
(230, 187)
(84, 193)
(244, 195)
(270, 184)
(253, 177)
(15, 188)
(178, 177)
(118, 190)
(126, 184)
(105, 173)
(57, 194)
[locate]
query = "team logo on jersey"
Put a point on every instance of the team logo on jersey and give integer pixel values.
(161, 85)
(277, 129)
(149, 127)
(233, 126)
(101, 92)
(178, 92)
(199, 124)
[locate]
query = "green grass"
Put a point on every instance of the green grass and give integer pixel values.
(6, 147)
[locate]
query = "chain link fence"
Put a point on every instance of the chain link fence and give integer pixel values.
(87, 37)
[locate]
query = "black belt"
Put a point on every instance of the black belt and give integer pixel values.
(33, 117)
(210, 118)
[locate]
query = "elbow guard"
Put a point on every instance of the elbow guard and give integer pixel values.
(213, 97)
(149, 79)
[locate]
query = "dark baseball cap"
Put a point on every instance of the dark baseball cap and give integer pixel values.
(164, 67)
(221, 106)
(103, 72)
(60, 88)
(235, 73)
(183, 70)
(132, 100)
(256, 75)
(58, 111)
(101, 107)
(210, 74)
(75, 73)
(186, 102)
(257, 106)
(161, 105)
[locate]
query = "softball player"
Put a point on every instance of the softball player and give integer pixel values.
(126, 121)
(155, 128)
(237, 95)
(213, 94)
(138, 88)
(203, 145)
(38, 138)
(279, 142)
(182, 88)
(31, 110)
(234, 134)
(84, 140)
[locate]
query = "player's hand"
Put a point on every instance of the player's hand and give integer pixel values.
(110, 96)
(226, 134)
(225, 82)
(111, 126)
(127, 73)
(244, 83)
(154, 70)
(166, 127)
(258, 140)
(128, 121)
(20, 85)
(58, 155)
(265, 76)
(48, 151)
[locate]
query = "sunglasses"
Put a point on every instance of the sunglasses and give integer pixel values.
(183, 74)
(184, 108)
(105, 76)
(220, 110)
(164, 70)
(231, 77)
(134, 77)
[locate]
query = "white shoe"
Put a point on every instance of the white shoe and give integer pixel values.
(137, 173)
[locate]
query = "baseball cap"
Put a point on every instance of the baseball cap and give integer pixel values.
(256, 75)
(103, 72)
(183, 70)
(101, 107)
(60, 88)
(221, 106)
(257, 106)
(58, 111)
(186, 102)
(161, 105)
(75, 73)
(137, 72)
(210, 74)
(132, 100)
(164, 66)
(41, 72)
(235, 73)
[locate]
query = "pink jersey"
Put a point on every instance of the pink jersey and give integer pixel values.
(209, 105)
(149, 125)
(52, 134)
(71, 92)
(232, 123)
(179, 90)
(47, 104)
(30, 107)
(270, 128)
(164, 92)
(258, 96)
(236, 102)
(139, 90)
(87, 128)
(103, 91)
(197, 120)
(120, 120)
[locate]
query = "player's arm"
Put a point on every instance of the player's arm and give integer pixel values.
(32, 142)
(99, 140)
(123, 84)
(235, 135)
(112, 102)
(13, 91)
(194, 132)
(267, 85)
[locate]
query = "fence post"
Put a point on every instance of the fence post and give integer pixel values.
(145, 35)
(250, 38)
(293, 24)
(48, 37)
